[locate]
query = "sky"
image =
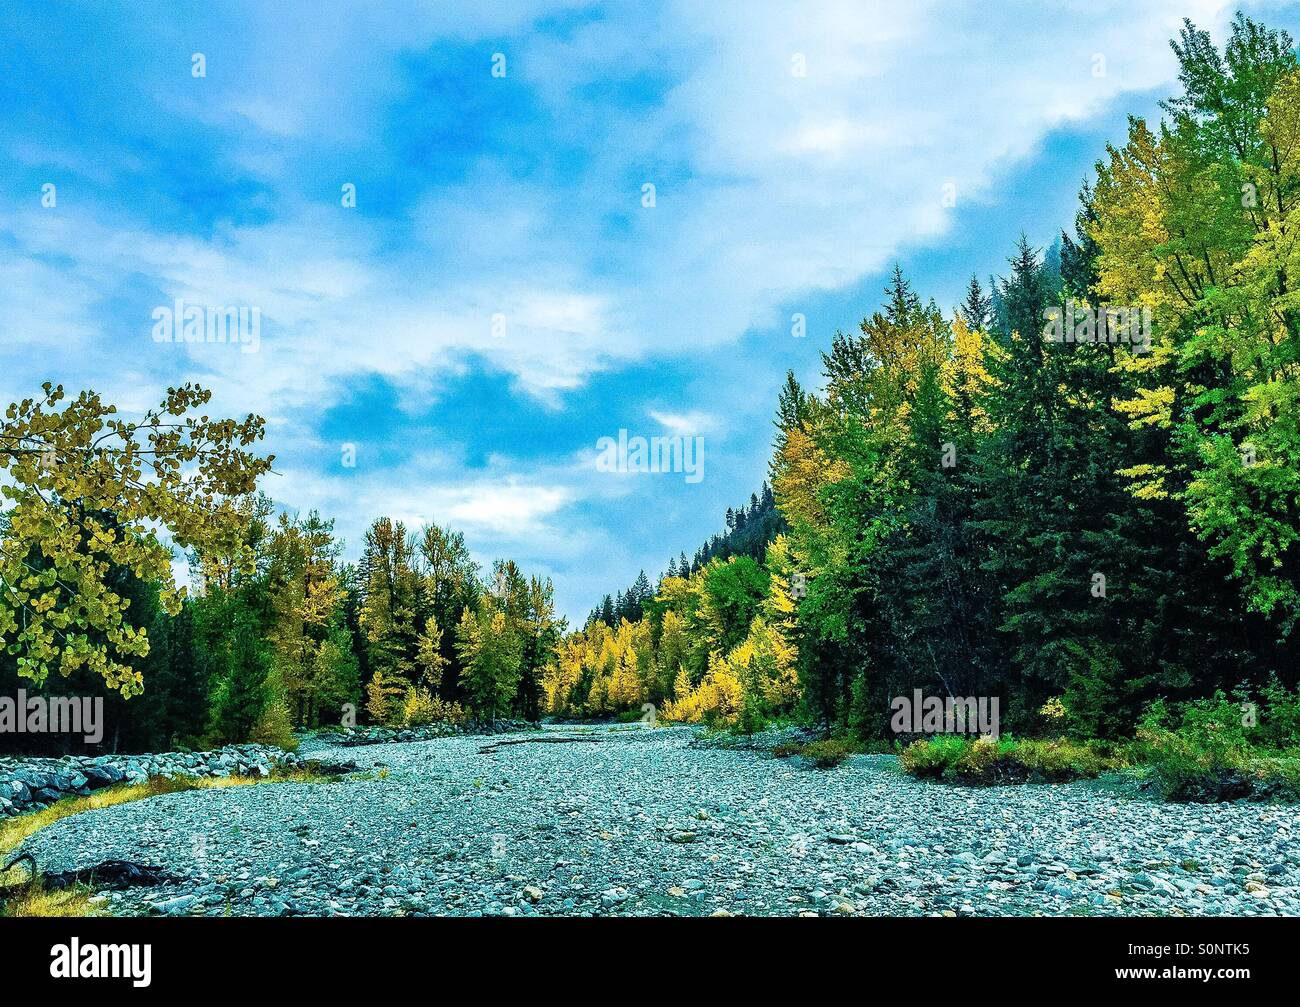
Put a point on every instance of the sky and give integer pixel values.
(480, 237)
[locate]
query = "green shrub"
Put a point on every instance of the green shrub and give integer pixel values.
(1060, 760)
(1198, 753)
(983, 761)
(827, 754)
(1279, 717)
(420, 707)
(275, 726)
(931, 757)
(1276, 778)
(417, 707)
(980, 758)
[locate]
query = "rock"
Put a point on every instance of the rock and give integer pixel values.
(178, 906)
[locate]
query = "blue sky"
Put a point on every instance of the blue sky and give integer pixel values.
(520, 197)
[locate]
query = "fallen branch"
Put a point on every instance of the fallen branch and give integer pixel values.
(112, 874)
(489, 749)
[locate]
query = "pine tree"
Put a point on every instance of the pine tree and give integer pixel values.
(976, 309)
(242, 693)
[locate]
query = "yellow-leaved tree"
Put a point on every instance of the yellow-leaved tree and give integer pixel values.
(88, 493)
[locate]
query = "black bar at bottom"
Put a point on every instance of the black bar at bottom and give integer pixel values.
(233, 956)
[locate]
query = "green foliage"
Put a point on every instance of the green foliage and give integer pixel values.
(734, 589)
(241, 693)
(1206, 751)
(983, 761)
(274, 725)
(827, 753)
(420, 707)
(89, 493)
(491, 654)
(1277, 717)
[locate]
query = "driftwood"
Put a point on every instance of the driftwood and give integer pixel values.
(111, 874)
(326, 768)
(31, 868)
(489, 749)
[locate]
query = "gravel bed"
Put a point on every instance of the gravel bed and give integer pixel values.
(637, 821)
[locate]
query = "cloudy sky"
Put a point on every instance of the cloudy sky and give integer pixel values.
(500, 296)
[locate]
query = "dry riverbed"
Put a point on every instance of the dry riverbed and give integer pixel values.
(637, 821)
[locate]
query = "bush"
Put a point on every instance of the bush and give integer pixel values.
(275, 726)
(1279, 717)
(1276, 778)
(420, 707)
(417, 707)
(979, 759)
(827, 754)
(1198, 754)
(1060, 760)
(930, 757)
(983, 761)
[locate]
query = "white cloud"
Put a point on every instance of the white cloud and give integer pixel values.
(773, 186)
(687, 424)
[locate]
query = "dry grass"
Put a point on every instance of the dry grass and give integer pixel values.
(32, 900)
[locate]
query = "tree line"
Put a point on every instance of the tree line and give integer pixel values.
(278, 634)
(998, 502)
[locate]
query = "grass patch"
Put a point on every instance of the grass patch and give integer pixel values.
(28, 896)
(986, 761)
(34, 900)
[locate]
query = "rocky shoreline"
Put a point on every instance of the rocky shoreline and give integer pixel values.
(31, 784)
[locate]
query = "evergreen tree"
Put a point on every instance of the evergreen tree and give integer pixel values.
(977, 309)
